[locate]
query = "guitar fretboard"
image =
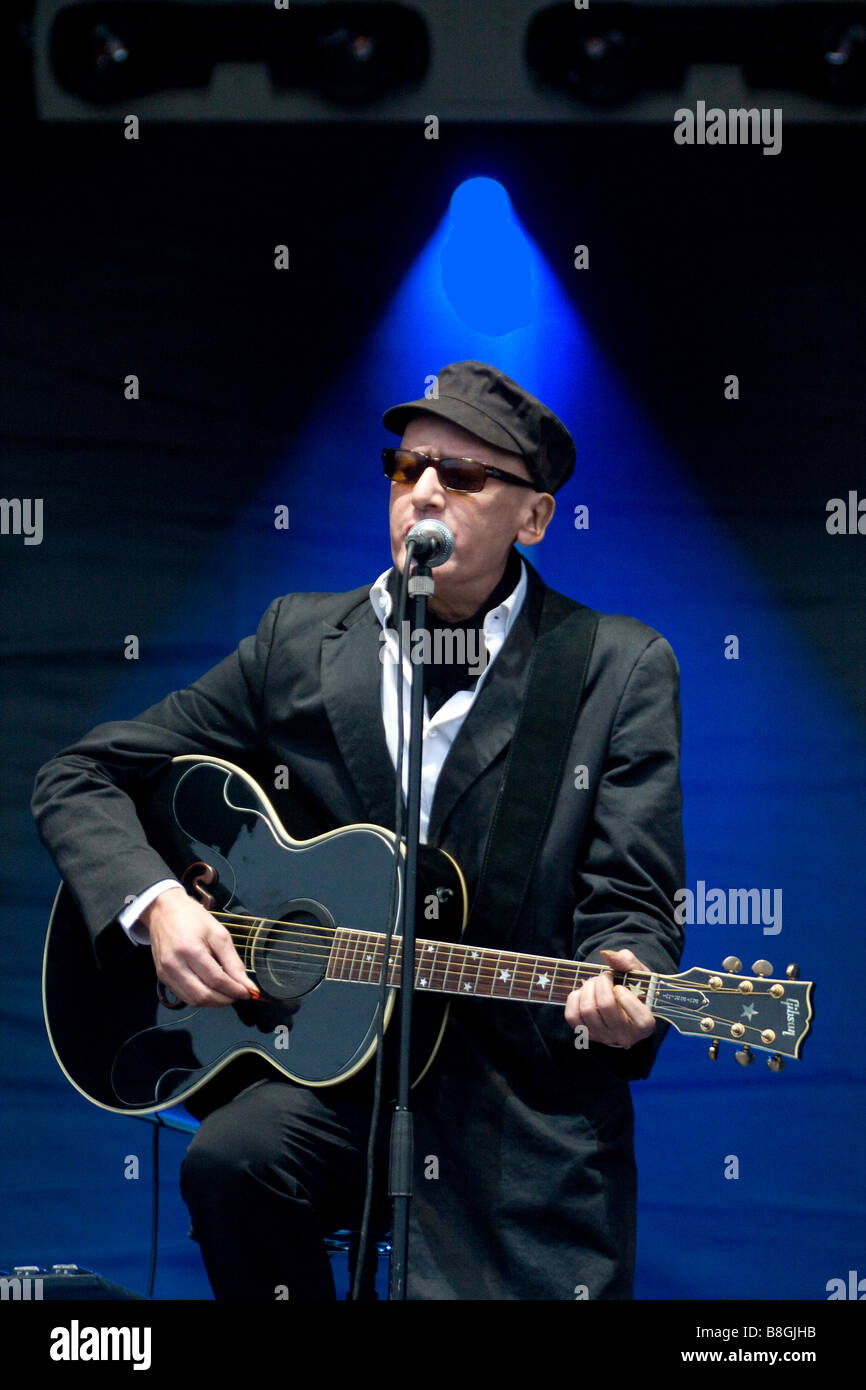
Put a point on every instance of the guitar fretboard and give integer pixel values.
(444, 967)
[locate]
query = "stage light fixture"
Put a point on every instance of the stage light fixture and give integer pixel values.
(348, 53)
(108, 48)
(844, 62)
(819, 50)
(353, 53)
(107, 52)
(605, 55)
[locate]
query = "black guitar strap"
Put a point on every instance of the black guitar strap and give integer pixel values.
(535, 765)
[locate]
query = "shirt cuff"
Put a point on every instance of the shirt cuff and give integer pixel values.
(128, 918)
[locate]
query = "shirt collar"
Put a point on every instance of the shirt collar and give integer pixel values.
(497, 622)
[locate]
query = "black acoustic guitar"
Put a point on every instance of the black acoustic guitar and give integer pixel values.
(307, 918)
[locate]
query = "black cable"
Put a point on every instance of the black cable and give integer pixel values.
(389, 932)
(154, 1205)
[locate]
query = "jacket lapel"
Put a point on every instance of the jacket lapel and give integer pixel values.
(490, 723)
(351, 690)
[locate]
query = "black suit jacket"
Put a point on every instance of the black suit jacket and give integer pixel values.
(535, 1193)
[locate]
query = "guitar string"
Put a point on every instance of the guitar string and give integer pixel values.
(553, 998)
(316, 953)
(522, 973)
(290, 930)
(246, 932)
(281, 925)
(521, 976)
(518, 978)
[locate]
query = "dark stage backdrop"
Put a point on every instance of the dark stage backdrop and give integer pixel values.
(707, 519)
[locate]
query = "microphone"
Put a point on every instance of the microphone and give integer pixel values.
(430, 542)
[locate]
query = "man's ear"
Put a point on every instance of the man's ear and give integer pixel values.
(537, 521)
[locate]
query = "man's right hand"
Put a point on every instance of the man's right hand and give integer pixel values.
(193, 953)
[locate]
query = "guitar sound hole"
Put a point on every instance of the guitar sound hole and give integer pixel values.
(291, 959)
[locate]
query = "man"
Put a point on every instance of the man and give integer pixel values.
(524, 1175)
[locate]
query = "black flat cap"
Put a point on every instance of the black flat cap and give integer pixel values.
(489, 404)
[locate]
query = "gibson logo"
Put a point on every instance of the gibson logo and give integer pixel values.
(792, 1008)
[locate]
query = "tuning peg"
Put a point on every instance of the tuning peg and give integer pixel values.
(732, 964)
(776, 1062)
(793, 972)
(746, 1057)
(762, 967)
(713, 1051)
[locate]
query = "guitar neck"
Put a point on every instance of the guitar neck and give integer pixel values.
(768, 1014)
(443, 967)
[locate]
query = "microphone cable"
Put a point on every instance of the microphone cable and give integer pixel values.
(399, 812)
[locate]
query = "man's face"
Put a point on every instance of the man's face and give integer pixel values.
(484, 524)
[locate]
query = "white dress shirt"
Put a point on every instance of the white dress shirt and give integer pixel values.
(440, 729)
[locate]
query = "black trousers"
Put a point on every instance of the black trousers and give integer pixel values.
(273, 1171)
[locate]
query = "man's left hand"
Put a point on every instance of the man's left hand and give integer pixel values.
(611, 1013)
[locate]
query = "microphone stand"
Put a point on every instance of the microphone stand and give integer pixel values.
(401, 1154)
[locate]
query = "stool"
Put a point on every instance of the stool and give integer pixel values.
(349, 1243)
(340, 1242)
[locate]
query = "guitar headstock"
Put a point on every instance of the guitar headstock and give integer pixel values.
(759, 1013)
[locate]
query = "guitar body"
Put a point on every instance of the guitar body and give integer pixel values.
(131, 1048)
